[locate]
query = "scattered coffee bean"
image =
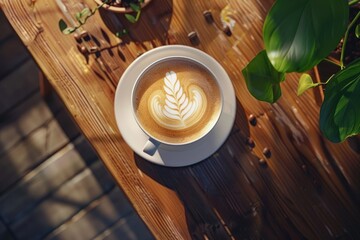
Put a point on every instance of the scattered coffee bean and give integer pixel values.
(250, 142)
(227, 31)
(262, 162)
(304, 168)
(252, 119)
(194, 39)
(208, 16)
(267, 152)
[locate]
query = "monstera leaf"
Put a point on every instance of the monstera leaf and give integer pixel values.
(262, 80)
(298, 34)
(340, 111)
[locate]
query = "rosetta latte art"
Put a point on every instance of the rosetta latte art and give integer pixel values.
(181, 108)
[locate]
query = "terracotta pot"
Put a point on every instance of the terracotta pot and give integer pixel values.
(119, 9)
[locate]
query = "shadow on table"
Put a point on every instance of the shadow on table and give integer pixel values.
(234, 194)
(214, 191)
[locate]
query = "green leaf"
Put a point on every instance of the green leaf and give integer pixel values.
(299, 34)
(262, 80)
(78, 16)
(305, 83)
(83, 15)
(340, 111)
(130, 18)
(86, 12)
(62, 25)
(68, 30)
(357, 31)
(135, 7)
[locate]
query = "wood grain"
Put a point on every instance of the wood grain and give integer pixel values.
(121, 228)
(308, 187)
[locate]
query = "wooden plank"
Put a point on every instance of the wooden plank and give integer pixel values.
(12, 46)
(45, 179)
(129, 228)
(18, 85)
(6, 29)
(23, 120)
(64, 203)
(34, 149)
(67, 123)
(60, 113)
(297, 191)
(96, 218)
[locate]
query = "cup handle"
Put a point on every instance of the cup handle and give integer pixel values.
(151, 146)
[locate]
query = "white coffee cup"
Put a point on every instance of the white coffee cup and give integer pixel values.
(176, 101)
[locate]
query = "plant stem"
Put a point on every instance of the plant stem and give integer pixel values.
(353, 2)
(137, 15)
(345, 39)
(92, 13)
(328, 79)
(333, 62)
(323, 83)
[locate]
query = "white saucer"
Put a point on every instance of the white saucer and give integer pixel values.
(167, 155)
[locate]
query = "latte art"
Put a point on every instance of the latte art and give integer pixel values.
(177, 101)
(181, 109)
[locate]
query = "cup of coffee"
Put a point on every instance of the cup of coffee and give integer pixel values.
(176, 101)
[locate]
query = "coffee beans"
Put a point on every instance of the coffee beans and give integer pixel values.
(227, 31)
(250, 142)
(267, 152)
(262, 162)
(194, 39)
(252, 119)
(208, 16)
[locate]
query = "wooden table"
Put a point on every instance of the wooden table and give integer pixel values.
(302, 187)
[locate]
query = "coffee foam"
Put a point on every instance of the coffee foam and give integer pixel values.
(181, 107)
(177, 101)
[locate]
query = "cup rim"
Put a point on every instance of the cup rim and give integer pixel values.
(158, 62)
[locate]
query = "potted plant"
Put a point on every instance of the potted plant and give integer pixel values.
(131, 9)
(297, 36)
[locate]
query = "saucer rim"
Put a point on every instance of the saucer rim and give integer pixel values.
(174, 156)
